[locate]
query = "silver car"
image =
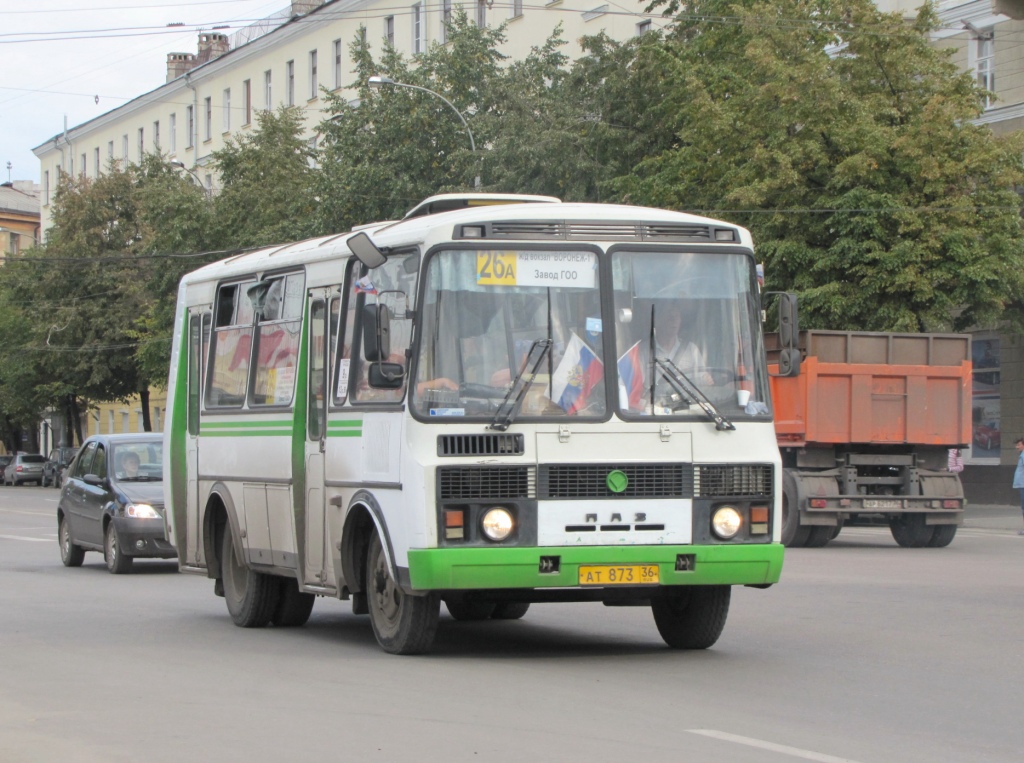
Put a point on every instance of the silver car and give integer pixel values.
(24, 468)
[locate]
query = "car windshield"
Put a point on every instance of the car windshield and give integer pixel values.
(138, 461)
(4, 460)
(490, 317)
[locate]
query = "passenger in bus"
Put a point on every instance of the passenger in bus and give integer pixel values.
(675, 342)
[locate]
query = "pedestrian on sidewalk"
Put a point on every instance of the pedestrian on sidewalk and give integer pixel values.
(1018, 475)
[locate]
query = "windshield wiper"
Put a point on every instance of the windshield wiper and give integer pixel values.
(690, 392)
(509, 407)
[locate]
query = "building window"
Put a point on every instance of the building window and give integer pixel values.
(227, 109)
(446, 18)
(336, 48)
(268, 96)
(124, 149)
(986, 64)
(289, 84)
(125, 425)
(643, 28)
(312, 162)
(82, 166)
(156, 136)
(110, 422)
(156, 419)
(110, 151)
(190, 126)
(208, 180)
(142, 143)
(96, 161)
(481, 13)
(517, 8)
(419, 29)
(208, 120)
(172, 128)
(314, 82)
(389, 31)
(247, 101)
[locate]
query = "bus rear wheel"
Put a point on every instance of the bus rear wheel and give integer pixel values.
(293, 607)
(691, 617)
(403, 624)
(252, 597)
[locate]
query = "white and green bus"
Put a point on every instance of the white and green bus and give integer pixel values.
(494, 402)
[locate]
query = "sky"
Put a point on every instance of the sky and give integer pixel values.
(78, 59)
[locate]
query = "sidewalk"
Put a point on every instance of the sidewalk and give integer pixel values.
(993, 517)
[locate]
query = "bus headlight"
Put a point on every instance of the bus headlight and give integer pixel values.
(726, 522)
(497, 523)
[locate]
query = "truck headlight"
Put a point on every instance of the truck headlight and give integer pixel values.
(726, 522)
(497, 523)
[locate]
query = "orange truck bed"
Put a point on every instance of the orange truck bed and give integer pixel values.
(877, 388)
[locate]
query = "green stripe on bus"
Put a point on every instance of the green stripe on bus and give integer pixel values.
(344, 424)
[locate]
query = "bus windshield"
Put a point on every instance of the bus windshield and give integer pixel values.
(483, 311)
(706, 332)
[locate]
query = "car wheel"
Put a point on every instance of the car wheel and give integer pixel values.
(45, 482)
(70, 554)
(403, 624)
(691, 617)
(117, 563)
(252, 597)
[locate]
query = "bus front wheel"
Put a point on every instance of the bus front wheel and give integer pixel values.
(252, 597)
(403, 624)
(691, 617)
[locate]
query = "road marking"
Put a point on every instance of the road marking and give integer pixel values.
(795, 752)
(22, 537)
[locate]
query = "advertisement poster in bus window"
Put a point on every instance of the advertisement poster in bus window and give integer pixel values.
(986, 438)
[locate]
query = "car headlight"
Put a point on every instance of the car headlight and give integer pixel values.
(726, 522)
(497, 523)
(141, 511)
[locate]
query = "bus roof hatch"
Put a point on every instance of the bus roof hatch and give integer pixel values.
(450, 201)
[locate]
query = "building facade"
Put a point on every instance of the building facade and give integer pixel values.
(19, 217)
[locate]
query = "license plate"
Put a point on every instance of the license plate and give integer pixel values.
(881, 503)
(619, 574)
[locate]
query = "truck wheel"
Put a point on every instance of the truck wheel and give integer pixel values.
(691, 617)
(910, 531)
(793, 535)
(403, 624)
(293, 606)
(942, 536)
(468, 610)
(252, 597)
(818, 536)
(510, 610)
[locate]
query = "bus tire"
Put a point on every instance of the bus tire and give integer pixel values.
(70, 554)
(117, 562)
(510, 610)
(942, 536)
(251, 596)
(468, 610)
(402, 624)
(910, 531)
(691, 617)
(293, 606)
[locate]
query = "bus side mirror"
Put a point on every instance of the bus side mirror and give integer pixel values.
(789, 335)
(386, 375)
(376, 332)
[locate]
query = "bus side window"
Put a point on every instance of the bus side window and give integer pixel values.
(277, 342)
(232, 346)
(344, 335)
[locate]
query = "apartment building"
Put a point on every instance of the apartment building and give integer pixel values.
(19, 217)
(286, 59)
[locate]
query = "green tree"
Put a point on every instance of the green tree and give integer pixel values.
(842, 138)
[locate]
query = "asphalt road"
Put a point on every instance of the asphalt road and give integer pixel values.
(865, 652)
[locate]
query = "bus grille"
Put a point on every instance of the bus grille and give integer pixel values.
(601, 230)
(732, 480)
(457, 483)
(480, 445)
(570, 481)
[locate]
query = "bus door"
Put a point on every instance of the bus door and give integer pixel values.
(317, 304)
(198, 343)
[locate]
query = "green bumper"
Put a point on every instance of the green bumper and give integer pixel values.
(439, 569)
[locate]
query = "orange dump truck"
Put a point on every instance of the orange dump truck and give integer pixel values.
(865, 428)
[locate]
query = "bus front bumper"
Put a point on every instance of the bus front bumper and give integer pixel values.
(442, 569)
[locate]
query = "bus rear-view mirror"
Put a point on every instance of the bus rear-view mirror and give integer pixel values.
(376, 332)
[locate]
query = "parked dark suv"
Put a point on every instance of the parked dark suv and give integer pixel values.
(55, 465)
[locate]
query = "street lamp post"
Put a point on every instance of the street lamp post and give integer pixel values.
(377, 82)
(181, 166)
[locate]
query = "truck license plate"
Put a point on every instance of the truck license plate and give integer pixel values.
(619, 574)
(883, 503)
